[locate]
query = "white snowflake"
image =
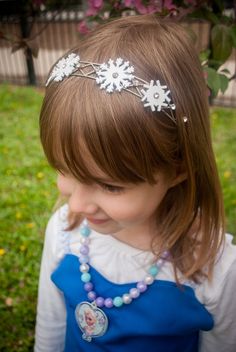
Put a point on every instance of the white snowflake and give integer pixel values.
(156, 96)
(64, 68)
(115, 75)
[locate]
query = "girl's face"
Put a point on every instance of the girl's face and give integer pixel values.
(122, 210)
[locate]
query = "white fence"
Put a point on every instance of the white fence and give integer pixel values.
(61, 34)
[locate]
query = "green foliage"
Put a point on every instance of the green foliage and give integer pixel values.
(216, 80)
(28, 194)
(222, 37)
(222, 42)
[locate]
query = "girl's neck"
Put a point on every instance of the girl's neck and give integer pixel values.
(138, 237)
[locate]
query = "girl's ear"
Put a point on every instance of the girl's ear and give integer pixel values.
(178, 176)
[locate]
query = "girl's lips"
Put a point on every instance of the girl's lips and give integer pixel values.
(97, 221)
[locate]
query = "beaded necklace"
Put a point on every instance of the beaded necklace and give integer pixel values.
(91, 319)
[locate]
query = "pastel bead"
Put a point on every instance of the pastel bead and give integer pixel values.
(141, 286)
(85, 277)
(126, 298)
(84, 268)
(108, 303)
(88, 286)
(134, 292)
(165, 255)
(148, 279)
(118, 301)
(99, 301)
(84, 249)
(83, 259)
(85, 240)
(92, 295)
(153, 270)
(160, 262)
(85, 231)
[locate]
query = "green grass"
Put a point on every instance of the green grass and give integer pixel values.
(224, 140)
(28, 194)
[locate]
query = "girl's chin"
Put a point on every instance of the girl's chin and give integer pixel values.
(107, 227)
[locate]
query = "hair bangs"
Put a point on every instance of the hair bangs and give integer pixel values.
(99, 127)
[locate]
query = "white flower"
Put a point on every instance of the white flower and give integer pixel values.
(64, 68)
(156, 96)
(115, 75)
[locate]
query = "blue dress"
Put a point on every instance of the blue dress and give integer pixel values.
(165, 318)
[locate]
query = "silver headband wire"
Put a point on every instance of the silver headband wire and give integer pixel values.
(116, 75)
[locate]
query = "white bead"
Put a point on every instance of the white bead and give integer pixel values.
(84, 268)
(160, 262)
(126, 298)
(148, 279)
(84, 240)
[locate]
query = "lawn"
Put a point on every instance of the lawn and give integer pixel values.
(28, 194)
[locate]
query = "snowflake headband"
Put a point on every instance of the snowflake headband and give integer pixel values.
(115, 76)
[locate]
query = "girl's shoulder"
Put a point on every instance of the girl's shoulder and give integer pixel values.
(218, 296)
(226, 258)
(224, 275)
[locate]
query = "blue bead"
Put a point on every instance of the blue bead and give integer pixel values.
(85, 231)
(83, 259)
(118, 301)
(85, 277)
(153, 270)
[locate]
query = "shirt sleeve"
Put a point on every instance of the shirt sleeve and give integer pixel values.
(221, 303)
(51, 313)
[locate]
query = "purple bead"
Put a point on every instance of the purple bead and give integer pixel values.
(84, 249)
(108, 303)
(141, 286)
(165, 254)
(100, 302)
(92, 295)
(88, 286)
(134, 292)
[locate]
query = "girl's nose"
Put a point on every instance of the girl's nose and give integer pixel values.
(82, 200)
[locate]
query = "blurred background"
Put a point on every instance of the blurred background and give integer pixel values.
(33, 35)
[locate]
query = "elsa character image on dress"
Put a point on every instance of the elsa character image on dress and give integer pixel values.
(137, 258)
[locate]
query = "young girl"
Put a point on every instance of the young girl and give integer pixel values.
(137, 259)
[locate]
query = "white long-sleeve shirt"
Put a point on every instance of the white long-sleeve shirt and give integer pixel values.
(121, 263)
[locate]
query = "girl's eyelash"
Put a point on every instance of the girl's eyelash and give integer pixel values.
(111, 188)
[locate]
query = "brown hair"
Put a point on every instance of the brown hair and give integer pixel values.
(130, 143)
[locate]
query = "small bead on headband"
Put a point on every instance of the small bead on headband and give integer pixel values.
(115, 75)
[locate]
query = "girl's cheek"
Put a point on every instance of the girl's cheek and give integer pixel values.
(64, 185)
